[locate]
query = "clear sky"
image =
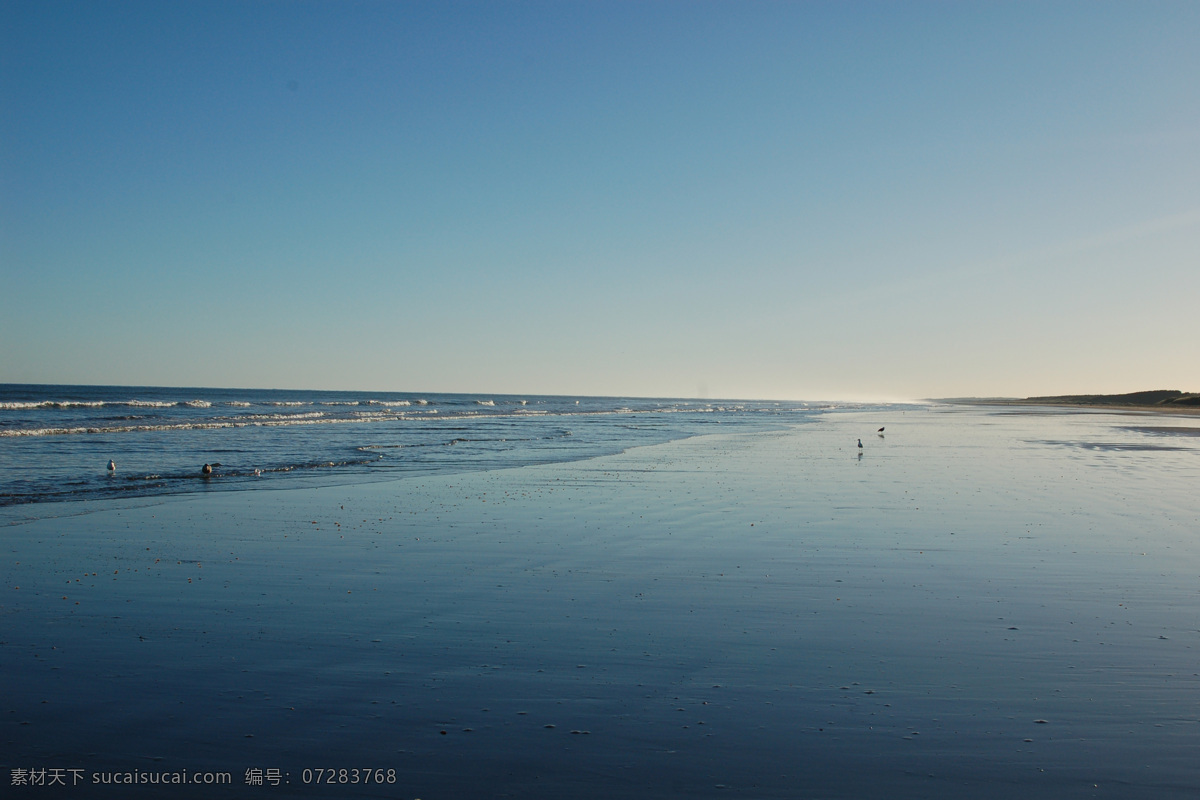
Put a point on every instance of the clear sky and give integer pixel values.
(732, 199)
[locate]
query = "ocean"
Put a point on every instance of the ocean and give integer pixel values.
(56, 441)
(459, 600)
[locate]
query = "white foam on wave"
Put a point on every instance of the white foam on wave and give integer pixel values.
(485, 402)
(197, 404)
(110, 429)
(247, 421)
(41, 432)
(300, 416)
(21, 404)
(238, 404)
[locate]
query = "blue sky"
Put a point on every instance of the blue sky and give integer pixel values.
(792, 200)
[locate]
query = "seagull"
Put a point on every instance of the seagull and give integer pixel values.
(112, 467)
(206, 469)
(860, 444)
(880, 430)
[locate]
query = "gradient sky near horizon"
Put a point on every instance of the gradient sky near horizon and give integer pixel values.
(835, 200)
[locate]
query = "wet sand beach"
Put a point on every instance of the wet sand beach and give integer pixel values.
(982, 603)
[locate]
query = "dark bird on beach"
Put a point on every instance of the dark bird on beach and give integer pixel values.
(206, 469)
(880, 430)
(112, 466)
(860, 444)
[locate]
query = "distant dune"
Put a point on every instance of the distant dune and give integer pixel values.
(1158, 400)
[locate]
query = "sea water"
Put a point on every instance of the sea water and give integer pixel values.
(56, 441)
(979, 602)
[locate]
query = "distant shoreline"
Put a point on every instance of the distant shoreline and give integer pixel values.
(1163, 401)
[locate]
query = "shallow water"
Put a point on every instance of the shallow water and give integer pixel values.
(56, 441)
(980, 603)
